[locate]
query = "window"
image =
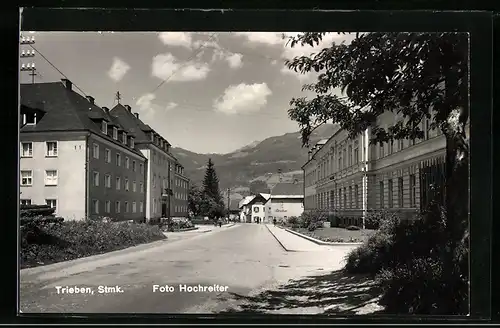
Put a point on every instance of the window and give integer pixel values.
(401, 144)
(29, 118)
(104, 127)
(107, 206)
(141, 207)
(115, 133)
(118, 159)
(107, 156)
(117, 206)
(25, 201)
(51, 177)
(176, 208)
(134, 166)
(413, 191)
(141, 187)
(107, 181)
(345, 197)
(356, 155)
(391, 147)
(350, 155)
(95, 178)
(400, 192)
(340, 197)
(95, 206)
(126, 207)
(154, 157)
(340, 161)
(126, 185)
(96, 151)
(427, 129)
(389, 186)
(134, 186)
(141, 168)
(127, 162)
(134, 207)
(26, 178)
(256, 210)
(131, 142)
(412, 142)
(356, 196)
(381, 150)
(124, 138)
(52, 203)
(154, 205)
(26, 149)
(118, 183)
(154, 180)
(350, 196)
(381, 192)
(344, 159)
(152, 136)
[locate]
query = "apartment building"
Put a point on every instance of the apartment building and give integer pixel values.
(181, 190)
(77, 158)
(162, 169)
(350, 177)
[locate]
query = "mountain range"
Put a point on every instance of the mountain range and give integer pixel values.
(260, 160)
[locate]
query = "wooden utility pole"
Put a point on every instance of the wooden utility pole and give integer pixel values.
(30, 67)
(228, 202)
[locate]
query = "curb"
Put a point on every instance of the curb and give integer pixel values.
(320, 242)
(279, 241)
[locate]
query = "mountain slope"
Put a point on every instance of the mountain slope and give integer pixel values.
(259, 160)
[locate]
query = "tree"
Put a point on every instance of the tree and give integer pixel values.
(258, 186)
(214, 205)
(195, 200)
(414, 75)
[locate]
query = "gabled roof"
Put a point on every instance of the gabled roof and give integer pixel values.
(130, 123)
(287, 189)
(265, 196)
(65, 110)
(245, 201)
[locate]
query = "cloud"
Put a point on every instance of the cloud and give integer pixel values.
(243, 98)
(269, 38)
(179, 39)
(301, 77)
(146, 106)
(171, 105)
(118, 69)
(235, 61)
(166, 66)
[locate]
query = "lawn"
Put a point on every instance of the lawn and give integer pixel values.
(337, 234)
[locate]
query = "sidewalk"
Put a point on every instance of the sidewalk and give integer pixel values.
(293, 243)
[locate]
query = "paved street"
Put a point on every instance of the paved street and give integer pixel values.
(246, 258)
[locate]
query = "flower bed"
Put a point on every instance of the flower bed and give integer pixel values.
(336, 235)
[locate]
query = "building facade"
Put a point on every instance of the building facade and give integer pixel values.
(181, 190)
(76, 158)
(286, 200)
(163, 198)
(350, 177)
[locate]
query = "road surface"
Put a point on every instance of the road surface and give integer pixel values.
(239, 260)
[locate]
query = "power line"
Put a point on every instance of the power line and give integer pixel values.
(196, 52)
(57, 69)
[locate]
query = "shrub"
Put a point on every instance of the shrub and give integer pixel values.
(293, 221)
(56, 242)
(309, 219)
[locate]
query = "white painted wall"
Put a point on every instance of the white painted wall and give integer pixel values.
(70, 189)
(283, 208)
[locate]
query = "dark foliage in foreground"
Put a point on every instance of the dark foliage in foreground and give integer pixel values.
(48, 242)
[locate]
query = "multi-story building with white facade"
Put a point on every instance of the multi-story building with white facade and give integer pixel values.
(286, 200)
(163, 198)
(76, 158)
(350, 177)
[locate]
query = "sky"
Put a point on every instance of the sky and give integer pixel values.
(207, 92)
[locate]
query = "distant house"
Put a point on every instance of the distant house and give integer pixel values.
(286, 200)
(234, 209)
(245, 210)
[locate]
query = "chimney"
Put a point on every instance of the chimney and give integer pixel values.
(128, 107)
(68, 84)
(136, 115)
(90, 99)
(309, 154)
(106, 109)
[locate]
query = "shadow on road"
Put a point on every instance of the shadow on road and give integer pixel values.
(334, 293)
